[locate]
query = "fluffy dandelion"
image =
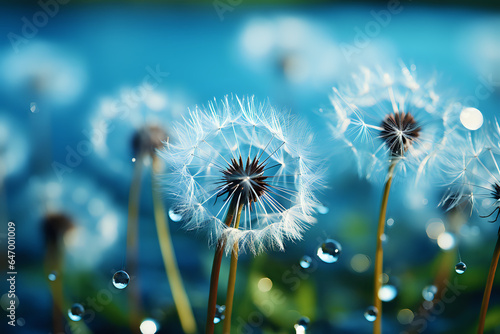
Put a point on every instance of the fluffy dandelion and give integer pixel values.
(475, 179)
(382, 117)
(243, 174)
(391, 123)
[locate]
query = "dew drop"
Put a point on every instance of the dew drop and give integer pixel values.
(133, 160)
(428, 292)
(387, 293)
(305, 262)
(76, 311)
(33, 107)
(121, 279)
(471, 118)
(460, 268)
(329, 251)
(371, 313)
(301, 325)
(322, 209)
(304, 322)
(174, 216)
(52, 276)
(219, 313)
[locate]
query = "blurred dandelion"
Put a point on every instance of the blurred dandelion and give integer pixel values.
(126, 116)
(141, 115)
(391, 123)
(242, 173)
(45, 72)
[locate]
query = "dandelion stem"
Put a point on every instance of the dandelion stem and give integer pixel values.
(179, 294)
(232, 279)
(53, 262)
(214, 277)
(489, 285)
(379, 254)
(132, 233)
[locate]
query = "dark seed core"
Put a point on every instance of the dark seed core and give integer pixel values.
(245, 182)
(147, 139)
(399, 131)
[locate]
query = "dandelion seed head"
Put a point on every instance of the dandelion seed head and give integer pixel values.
(387, 114)
(235, 152)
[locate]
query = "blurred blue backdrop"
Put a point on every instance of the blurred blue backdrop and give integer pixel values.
(63, 67)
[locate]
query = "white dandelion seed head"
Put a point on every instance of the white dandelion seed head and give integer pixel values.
(238, 153)
(383, 115)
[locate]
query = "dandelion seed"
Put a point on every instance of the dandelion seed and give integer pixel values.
(239, 152)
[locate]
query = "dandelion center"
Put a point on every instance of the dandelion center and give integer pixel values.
(399, 131)
(244, 182)
(148, 139)
(495, 193)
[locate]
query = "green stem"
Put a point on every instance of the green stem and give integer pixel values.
(232, 279)
(379, 253)
(132, 236)
(489, 285)
(214, 277)
(179, 294)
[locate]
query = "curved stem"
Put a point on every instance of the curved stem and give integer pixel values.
(489, 285)
(132, 236)
(379, 253)
(232, 279)
(179, 294)
(214, 277)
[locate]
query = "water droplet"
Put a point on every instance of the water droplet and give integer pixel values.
(53, 276)
(471, 118)
(428, 292)
(301, 325)
(219, 313)
(460, 268)
(33, 107)
(21, 322)
(148, 326)
(387, 293)
(322, 209)
(75, 312)
(175, 217)
(304, 322)
(329, 251)
(371, 313)
(121, 279)
(133, 160)
(305, 262)
(390, 222)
